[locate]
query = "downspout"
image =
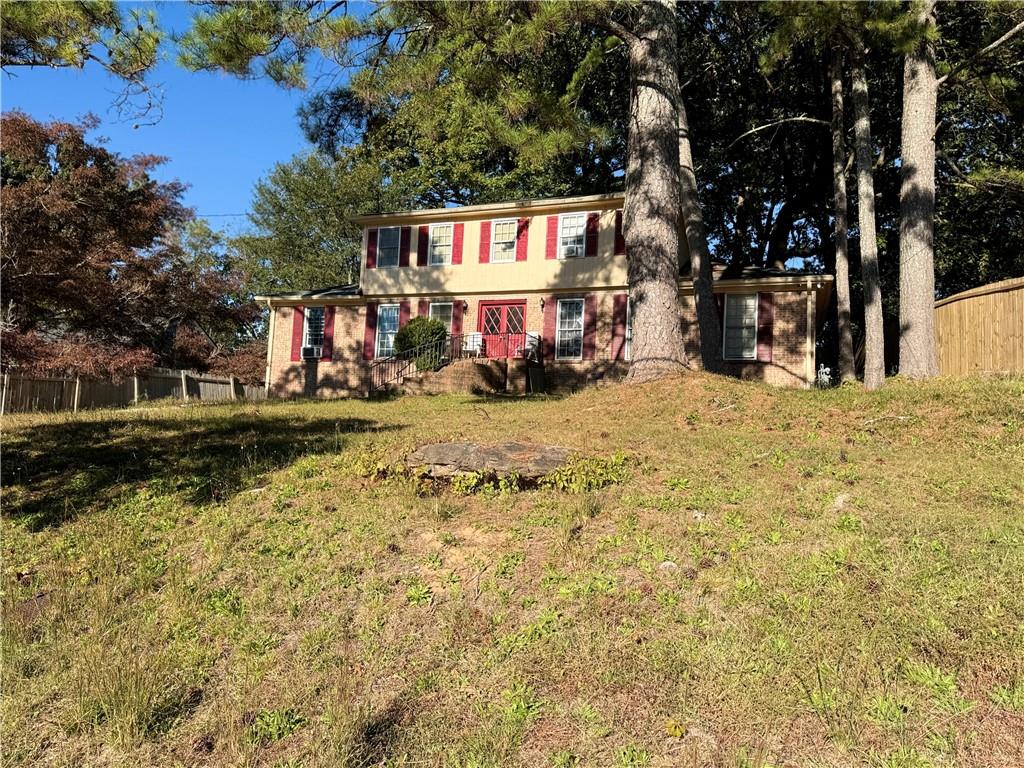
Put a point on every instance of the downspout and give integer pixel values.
(270, 347)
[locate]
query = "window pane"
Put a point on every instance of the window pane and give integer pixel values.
(387, 327)
(388, 241)
(442, 312)
(569, 331)
(441, 244)
(572, 236)
(314, 330)
(504, 241)
(740, 327)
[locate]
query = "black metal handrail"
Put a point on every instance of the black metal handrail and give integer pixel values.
(434, 355)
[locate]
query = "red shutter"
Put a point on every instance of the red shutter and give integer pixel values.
(298, 319)
(370, 335)
(593, 223)
(485, 242)
(522, 239)
(620, 239)
(457, 233)
(403, 246)
(551, 245)
(589, 326)
(421, 245)
(371, 248)
(457, 306)
(619, 303)
(403, 312)
(765, 326)
(327, 351)
(550, 316)
(423, 308)
(720, 303)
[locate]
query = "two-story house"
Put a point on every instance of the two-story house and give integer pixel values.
(553, 270)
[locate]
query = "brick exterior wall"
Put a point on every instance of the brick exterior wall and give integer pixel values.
(346, 374)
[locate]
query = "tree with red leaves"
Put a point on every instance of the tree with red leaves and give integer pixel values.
(103, 269)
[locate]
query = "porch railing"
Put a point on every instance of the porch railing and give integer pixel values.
(435, 355)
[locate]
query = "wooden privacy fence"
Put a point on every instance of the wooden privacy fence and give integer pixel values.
(981, 331)
(23, 394)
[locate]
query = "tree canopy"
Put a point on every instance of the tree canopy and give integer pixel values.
(104, 269)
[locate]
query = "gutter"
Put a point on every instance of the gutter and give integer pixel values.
(272, 319)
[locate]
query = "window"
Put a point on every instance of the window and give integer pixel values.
(313, 327)
(503, 242)
(387, 327)
(440, 248)
(572, 231)
(388, 243)
(740, 337)
(627, 350)
(569, 330)
(442, 312)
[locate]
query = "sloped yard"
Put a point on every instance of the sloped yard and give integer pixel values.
(765, 578)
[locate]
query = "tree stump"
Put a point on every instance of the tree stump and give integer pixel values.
(530, 461)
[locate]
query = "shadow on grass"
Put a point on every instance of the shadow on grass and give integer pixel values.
(71, 468)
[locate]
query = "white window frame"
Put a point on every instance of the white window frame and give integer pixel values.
(306, 340)
(451, 311)
(627, 347)
(380, 249)
(494, 241)
(559, 329)
(430, 245)
(377, 337)
(583, 237)
(725, 326)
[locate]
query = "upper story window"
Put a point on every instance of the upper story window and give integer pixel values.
(569, 330)
(503, 242)
(572, 231)
(440, 248)
(442, 311)
(739, 340)
(387, 327)
(313, 327)
(388, 244)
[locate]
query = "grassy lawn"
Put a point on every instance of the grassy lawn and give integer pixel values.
(772, 578)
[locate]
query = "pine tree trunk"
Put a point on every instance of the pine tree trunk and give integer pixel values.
(700, 259)
(918, 353)
(651, 213)
(844, 335)
(874, 338)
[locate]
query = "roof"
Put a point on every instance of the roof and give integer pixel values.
(462, 212)
(735, 271)
(333, 292)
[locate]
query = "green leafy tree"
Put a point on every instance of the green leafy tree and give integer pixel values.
(302, 236)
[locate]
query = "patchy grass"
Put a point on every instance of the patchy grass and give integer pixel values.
(730, 575)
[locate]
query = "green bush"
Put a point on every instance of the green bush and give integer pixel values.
(418, 332)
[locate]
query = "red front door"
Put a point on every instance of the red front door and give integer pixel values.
(502, 325)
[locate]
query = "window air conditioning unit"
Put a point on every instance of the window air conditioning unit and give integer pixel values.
(570, 251)
(311, 353)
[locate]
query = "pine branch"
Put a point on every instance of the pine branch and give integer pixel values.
(983, 52)
(766, 126)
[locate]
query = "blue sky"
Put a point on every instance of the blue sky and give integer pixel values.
(220, 134)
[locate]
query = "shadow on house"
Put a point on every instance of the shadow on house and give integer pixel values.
(70, 469)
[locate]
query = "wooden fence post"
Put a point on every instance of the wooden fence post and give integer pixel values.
(234, 395)
(135, 388)
(78, 392)
(5, 396)
(184, 386)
